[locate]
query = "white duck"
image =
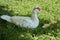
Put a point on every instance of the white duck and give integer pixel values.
(30, 22)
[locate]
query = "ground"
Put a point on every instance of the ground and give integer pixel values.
(50, 9)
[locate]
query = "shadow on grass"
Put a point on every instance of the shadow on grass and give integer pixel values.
(9, 31)
(3, 24)
(52, 30)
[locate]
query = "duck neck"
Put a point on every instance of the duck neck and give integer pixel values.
(34, 15)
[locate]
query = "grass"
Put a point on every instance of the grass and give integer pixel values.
(50, 9)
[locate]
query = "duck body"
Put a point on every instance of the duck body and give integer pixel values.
(24, 21)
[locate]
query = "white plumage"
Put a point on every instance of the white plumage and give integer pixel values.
(30, 22)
